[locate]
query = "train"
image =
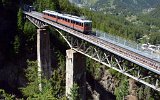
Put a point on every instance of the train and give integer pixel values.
(85, 26)
(74, 22)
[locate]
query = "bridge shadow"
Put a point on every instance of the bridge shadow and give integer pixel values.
(96, 86)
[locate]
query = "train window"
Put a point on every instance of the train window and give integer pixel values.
(82, 24)
(87, 24)
(72, 21)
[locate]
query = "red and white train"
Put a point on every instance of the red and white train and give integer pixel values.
(85, 26)
(73, 22)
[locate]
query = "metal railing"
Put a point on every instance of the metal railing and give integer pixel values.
(127, 44)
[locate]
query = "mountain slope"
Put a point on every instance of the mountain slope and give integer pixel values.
(155, 13)
(118, 6)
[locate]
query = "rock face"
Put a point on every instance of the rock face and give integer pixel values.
(132, 90)
(103, 88)
(132, 87)
(108, 82)
(131, 97)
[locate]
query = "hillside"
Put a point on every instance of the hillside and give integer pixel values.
(118, 6)
(155, 13)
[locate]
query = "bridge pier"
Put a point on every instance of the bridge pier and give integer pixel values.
(75, 72)
(43, 54)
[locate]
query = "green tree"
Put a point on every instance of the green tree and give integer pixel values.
(31, 91)
(74, 92)
(122, 90)
(58, 84)
(20, 19)
(46, 4)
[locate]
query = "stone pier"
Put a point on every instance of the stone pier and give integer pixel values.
(76, 72)
(43, 54)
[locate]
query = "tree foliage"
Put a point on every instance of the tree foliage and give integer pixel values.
(46, 4)
(31, 91)
(20, 19)
(122, 90)
(6, 96)
(74, 92)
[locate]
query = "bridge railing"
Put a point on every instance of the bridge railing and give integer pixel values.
(127, 44)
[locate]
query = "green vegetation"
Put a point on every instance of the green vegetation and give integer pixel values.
(51, 89)
(20, 19)
(6, 96)
(32, 90)
(23, 42)
(156, 12)
(45, 4)
(122, 90)
(119, 7)
(74, 92)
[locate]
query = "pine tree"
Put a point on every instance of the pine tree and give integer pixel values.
(74, 92)
(31, 91)
(20, 19)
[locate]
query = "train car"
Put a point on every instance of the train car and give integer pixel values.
(71, 21)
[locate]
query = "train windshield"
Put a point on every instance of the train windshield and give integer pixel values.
(88, 24)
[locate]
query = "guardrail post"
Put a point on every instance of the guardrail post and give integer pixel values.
(43, 54)
(75, 73)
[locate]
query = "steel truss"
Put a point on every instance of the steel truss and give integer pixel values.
(36, 22)
(107, 58)
(113, 61)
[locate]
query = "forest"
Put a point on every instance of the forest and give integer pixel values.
(18, 64)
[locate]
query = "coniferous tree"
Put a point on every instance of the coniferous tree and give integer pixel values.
(74, 92)
(31, 91)
(20, 19)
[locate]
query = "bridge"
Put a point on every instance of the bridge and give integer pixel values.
(134, 63)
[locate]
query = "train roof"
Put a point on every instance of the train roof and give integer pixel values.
(68, 16)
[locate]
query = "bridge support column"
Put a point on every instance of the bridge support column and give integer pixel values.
(75, 72)
(43, 54)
